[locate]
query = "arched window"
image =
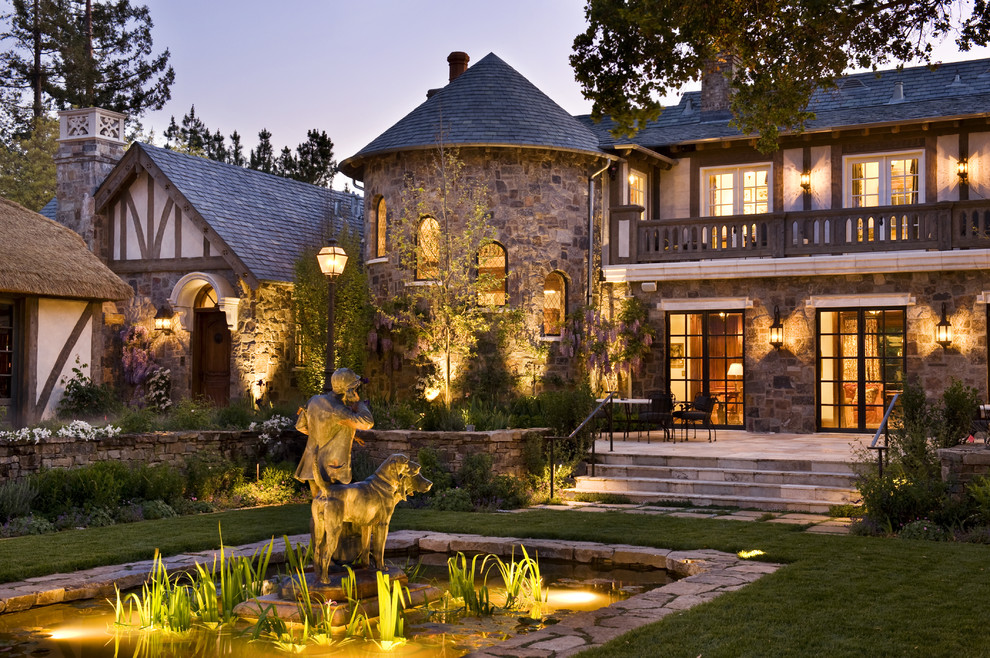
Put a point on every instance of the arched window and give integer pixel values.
(493, 271)
(554, 304)
(206, 298)
(381, 213)
(428, 250)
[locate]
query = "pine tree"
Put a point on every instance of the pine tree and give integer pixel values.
(314, 159)
(27, 166)
(263, 157)
(235, 155)
(70, 53)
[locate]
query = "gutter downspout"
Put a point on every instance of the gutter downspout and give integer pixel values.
(591, 229)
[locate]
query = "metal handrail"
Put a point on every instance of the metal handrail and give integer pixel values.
(553, 439)
(885, 430)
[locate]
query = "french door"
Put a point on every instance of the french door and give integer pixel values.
(861, 365)
(705, 355)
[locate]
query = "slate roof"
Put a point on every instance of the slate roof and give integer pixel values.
(265, 219)
(489, 104)
(953, 89)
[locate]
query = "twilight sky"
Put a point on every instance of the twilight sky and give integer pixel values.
(350, 68)
(353, 67)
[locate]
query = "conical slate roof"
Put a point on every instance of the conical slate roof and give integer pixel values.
(490, 104)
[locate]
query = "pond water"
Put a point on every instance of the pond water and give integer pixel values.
(85, 629)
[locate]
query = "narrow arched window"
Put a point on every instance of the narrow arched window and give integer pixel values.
(554, 303)
(428, 250)
(381, 213)
(493, 270)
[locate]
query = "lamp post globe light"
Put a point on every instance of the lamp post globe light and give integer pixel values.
(332, 259)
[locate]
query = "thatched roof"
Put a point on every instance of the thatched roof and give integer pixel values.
(41, 257)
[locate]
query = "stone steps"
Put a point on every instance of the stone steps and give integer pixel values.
(767, 484)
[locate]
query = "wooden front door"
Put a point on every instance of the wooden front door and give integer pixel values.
(211, 356)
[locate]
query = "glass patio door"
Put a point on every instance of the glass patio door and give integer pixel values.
(861, 365)
(705, 354)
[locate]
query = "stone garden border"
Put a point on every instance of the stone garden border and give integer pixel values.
(706, 574)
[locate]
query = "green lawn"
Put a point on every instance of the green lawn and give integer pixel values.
(837, 596)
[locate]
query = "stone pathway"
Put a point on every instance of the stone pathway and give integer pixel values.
(817, 523)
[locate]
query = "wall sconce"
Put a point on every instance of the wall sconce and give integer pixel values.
(776, 330)
(806, 181)
(962, 169)
(163, 319)
(943, 330)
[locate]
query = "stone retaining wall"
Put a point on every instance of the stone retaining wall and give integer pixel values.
(21, 458)
(961, 464)
(505, 446)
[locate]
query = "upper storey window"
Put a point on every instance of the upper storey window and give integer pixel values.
(884, 180)
(428, 250)
(637, 188)
(736, 190)
(380, 216)
(492, 274)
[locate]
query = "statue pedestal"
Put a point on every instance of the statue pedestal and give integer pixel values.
(283, 602)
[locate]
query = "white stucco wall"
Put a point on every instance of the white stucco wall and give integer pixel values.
(675, 191)
(946, 178)
(56, 319)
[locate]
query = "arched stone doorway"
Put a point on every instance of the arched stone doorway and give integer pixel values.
(207, 309)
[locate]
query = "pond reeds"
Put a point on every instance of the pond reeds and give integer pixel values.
(391, 603)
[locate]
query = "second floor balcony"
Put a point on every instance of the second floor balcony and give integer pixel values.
(925, 227)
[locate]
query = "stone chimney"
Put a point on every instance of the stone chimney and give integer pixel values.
(90, 143)
(458, 63)
(716, 88)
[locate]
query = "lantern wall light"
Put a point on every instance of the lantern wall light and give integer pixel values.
(776, 330)
(962, 170)
(943, 330)
(806, 181)
(163, 319)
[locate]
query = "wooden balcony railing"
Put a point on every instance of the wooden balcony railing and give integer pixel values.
(938, 226)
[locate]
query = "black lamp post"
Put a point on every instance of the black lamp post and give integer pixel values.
(332, 259)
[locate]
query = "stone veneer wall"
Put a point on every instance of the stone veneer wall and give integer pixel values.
(261, 343)
(781, 386)
(22, 458)
(540, 212)
(505, 446)
(961, 464)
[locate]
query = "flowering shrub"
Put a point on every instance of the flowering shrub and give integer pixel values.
(159, 395)
(137, 359)
(80, 429)
(82, 397)
(609, 347)
(271, 429)
(924, 529)
(35, 434)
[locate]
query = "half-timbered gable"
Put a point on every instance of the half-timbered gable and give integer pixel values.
(212, 248)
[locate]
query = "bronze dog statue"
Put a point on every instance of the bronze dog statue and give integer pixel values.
(367, 508)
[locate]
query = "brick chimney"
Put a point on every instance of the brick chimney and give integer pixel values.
(90, 143)
(716, 89)
(458, 63)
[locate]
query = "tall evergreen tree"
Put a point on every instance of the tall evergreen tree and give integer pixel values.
(314, 159)
(83, 53)
(263, 157)
(27, 165)
(285, 166)
(235, 155)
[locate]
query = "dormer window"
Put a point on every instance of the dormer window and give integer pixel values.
(736, 190)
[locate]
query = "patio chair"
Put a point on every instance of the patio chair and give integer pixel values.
(659, 415)
(698, 411)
